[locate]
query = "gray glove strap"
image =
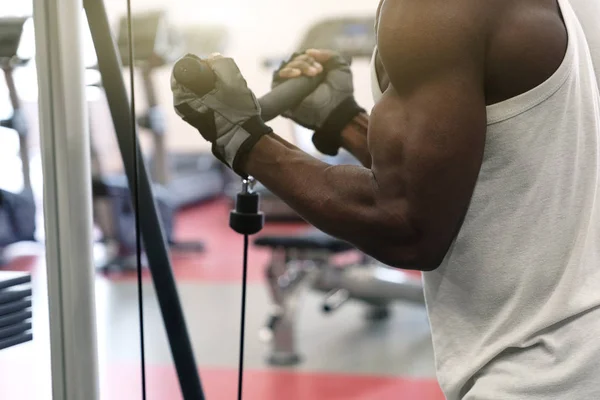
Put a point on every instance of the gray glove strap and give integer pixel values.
(257, 129)
(251, 131)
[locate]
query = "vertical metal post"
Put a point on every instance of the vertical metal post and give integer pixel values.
(67, 198)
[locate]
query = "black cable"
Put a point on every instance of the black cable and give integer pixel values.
(135, 191)
(243, 319)
(246, 220)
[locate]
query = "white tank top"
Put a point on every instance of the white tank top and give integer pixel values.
(515, 306)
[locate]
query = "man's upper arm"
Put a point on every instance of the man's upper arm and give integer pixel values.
(427, 133)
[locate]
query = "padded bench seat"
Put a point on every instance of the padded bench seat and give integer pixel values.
(311, 240)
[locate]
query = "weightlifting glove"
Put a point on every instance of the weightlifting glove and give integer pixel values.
(228, 116)
(330, 108)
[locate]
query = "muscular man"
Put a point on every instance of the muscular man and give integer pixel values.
(481, 168)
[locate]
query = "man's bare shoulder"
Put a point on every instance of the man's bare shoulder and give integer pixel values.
(473, 14)
(414, 37)
(487, 33)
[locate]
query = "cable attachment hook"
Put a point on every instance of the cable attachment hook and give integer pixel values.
(248, 185)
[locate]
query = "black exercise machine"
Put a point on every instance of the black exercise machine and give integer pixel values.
(190, 177)
(17, 210)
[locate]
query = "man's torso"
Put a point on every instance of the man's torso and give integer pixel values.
(514, 300)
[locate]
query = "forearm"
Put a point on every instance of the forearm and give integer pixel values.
(354, 139)
(343, 201)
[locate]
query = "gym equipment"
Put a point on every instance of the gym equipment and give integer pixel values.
(15, 309)
(15, 306)
(353, 37)
(14, 318)
(14, 329)
(246, 220)
(17, 217)
(203, 40)
(303, 261)
(14, 293)
(11, 30)
(115, 215)
(191, 178)
(17, 210)
(156, 44)
(15, 340)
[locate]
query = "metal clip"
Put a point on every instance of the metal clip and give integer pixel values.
(248, 185)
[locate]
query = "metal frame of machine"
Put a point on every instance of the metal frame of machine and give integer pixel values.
(68, 199)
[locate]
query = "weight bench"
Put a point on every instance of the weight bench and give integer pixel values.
(303, 260)
(15, 309)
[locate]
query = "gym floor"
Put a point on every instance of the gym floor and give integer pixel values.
(344, 356)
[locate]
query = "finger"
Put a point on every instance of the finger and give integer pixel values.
(320, 55)
(310, 60)
(304, 57)
(307, 68)
(290, 73)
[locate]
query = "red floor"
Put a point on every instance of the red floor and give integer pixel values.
(276, 385)
(123, 382)
(221, 262)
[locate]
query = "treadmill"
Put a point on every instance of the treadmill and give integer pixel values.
(190, 178)
(18, 208)
(354, 37)
(11, 31)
